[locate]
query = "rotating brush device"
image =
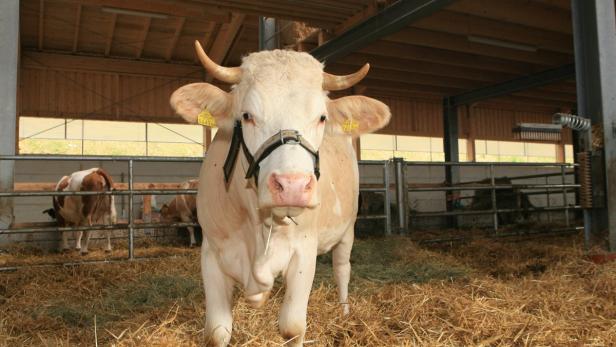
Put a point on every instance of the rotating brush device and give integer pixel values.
(550, 132)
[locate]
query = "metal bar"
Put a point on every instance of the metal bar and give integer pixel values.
(515, 85)
(480, 212)
(565, 198)
(388, 21)
(113, 192)
(547, 193)
(401, 195)
(131, 230)
(387, 199)
(524, 177)
(375, 190)
(450, 146)
(489, 187)
(372, 216)
(372, 162)
(493, 199)
(97, 227)
(100, 158)
(496, 164)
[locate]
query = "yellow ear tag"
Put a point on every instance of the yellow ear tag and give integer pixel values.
(205, 118)
(349, 125)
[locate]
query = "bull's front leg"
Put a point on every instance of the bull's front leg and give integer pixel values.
(341, 263)
(299, 277)
(218, 299)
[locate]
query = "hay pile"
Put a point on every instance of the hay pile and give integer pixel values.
(489, 293)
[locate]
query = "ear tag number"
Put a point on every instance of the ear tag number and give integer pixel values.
(349, 125)
(205, 118)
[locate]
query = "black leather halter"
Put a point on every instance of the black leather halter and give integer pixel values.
(283, 137)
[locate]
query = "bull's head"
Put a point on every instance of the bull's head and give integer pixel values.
(276, 91)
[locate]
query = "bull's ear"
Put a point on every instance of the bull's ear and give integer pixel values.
(356, 115)
(192, 99)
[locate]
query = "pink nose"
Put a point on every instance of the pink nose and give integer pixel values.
(291, 189)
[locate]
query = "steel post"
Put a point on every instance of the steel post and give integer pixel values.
(9, 60)
(595, 67)
(387, 205)
(565, 199)
(401, 193)
(493, 198)
(131, 229)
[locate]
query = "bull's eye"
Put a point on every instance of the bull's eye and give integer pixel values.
(247, 117)
(323, 118)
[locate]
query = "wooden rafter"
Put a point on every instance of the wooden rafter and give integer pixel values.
(171, 8)
(176, 35)
(41, 24)
(110, 33)
(361, 16)
(77, 26)
(144, 35)
(222, 43)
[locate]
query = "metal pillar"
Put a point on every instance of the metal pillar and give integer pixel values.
(401, 192)
(387, 206)
(450, 145)
(131, 216)
(9, 60)
(268, 37)
(595, 65)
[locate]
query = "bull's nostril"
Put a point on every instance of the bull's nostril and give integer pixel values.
(278, 186)
(308, 186)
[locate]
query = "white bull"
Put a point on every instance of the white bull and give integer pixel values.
(275, 216)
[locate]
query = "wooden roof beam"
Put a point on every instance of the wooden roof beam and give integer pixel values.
(519, 12)
(176, 35)
(41, 24)
(171, 8)
(226, 37)
(77, 26)
(144, 35)
(110, 33)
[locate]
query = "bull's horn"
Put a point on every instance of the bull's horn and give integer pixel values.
(230, 75)
(334, 82)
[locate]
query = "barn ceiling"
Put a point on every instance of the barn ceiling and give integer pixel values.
(465, 46)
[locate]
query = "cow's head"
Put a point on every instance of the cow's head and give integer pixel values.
(282, 90)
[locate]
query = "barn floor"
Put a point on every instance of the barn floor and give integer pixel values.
(490, 293)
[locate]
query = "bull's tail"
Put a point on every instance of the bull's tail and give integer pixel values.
(107, 178)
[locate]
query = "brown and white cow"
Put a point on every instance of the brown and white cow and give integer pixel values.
(290, 194)
(182, 208)
(86, 210)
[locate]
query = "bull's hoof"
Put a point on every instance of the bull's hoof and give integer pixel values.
(192, 245)
(107, 251)
(84, 253)
(65, 250)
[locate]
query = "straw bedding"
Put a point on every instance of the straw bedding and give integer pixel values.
(484, 293)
